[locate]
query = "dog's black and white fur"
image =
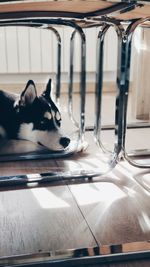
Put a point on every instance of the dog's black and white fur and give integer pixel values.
(32, 118)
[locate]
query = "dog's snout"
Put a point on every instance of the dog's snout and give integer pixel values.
(64, 141)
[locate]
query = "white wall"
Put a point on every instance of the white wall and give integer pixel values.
(31, 53)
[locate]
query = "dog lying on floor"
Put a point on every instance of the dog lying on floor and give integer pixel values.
(31, 117)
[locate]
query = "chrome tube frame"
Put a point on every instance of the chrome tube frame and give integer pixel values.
(58, 72)
(112, 157)
(82, 81)
(122, 82)
(86, 256)
(125, 38)
(119, 124)
(127, 52)
(70, 88)
(98, 95)
(99, 86)
(81, 125)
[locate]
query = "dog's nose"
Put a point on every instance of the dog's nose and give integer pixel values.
(64, 141)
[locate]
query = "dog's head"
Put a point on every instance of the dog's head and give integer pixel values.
(39, 118)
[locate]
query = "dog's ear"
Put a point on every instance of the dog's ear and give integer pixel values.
(29, 94)
(47, 92)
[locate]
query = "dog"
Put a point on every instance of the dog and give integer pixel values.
(31, 117)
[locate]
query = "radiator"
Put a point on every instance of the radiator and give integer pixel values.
(28, 50)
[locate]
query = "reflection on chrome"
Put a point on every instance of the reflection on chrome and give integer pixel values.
(33, 176)
(116, 252)
(144, 221)
(146, 180)
(138, 44)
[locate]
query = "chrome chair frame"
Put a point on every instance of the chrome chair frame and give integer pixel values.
(122, 84)
(36, 20)
(126, 53)
(58, 72)
(112, 159)
(123, 80)
(100, 253)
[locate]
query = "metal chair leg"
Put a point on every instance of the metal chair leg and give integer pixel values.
(58, 73)
(113, 156)
(126, 52)
(70, 88)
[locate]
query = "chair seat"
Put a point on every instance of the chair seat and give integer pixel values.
(66, 8)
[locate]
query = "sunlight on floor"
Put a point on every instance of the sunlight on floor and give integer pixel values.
(90, 194)
(47, 200)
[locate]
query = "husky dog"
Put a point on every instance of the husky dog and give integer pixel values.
(31, 117)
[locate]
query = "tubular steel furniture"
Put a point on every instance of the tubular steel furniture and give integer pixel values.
(79, 15)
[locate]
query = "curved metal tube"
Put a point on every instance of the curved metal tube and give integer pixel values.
(123, 75)
(58, 73)
(123, 79)
(98, 98)
(120, 82)
(82, 81)
(99, 85)
(70, 88)
(98, 89)
(71, 70)
(129, 33)
(126, 51)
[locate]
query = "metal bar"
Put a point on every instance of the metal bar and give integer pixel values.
(82, 86)
(120, 87)
(71, 70)
(138, 125)
(116, 7)
(128, 40)
(48, 177)
(70, 90)
(119, 97)
(58, 74)
(88, 256)
(99, 84)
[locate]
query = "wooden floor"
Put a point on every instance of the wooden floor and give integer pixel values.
(112, 209)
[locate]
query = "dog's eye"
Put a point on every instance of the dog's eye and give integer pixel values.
(57, 116)
(42, 122)
(48, 115)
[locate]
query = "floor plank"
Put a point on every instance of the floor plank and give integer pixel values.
(116, 208)
(41, 219)
(26, 167)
